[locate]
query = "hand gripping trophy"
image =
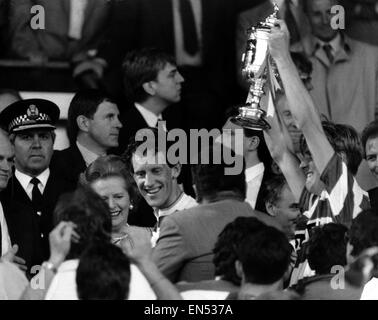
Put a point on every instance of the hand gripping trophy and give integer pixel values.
(256, 63)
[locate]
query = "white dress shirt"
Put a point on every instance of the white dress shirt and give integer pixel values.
(24, 180)
(87, 154)
(253, 177)
(150, 117)
(5, 239)
(335, 44)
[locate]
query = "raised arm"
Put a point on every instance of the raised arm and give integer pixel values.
(302, 107)
(277, 140)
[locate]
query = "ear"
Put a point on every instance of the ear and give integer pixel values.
(83, 123)
(253, 143)
(270, 209)
(239, 269)
(150, 87)
(176, 169)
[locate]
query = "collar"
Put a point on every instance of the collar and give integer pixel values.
(182, 202)
(341, 45)
(336, 43)
(88, 155)
(24, 179)
(253, 172)
(150, 117)
(68, 265)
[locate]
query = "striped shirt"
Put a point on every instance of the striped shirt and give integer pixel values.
(340, 202)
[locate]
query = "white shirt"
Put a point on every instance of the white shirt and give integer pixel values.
(334, 43)
(87, 154)
(150, 117)
(77, 17)
(5, 239)
(183, 202)
(63, 286)
(182, 57)
(370, 291)
(24, 180)
(253, 177)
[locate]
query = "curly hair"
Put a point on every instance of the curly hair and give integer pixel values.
(111, 166)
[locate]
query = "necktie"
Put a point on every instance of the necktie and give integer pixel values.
(291, 23)
(328, 51)
(191, 44)
(37, 198)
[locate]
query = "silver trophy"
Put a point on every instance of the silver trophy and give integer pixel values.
(255, 70)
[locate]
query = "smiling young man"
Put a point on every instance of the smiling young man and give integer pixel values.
(156, 178)
(93, 129)
(31, 195)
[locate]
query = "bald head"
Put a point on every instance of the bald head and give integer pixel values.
(6, 159)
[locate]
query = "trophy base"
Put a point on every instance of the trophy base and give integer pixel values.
(251, 118)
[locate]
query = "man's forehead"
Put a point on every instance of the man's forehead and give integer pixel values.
(149, 158)
(32, 132)
(372, 143)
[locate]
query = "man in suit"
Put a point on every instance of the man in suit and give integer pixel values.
(184, 250)
(198, 33)
(258, 162)
(72, 28)
(152, 82)
(31, 195)
(93, 129)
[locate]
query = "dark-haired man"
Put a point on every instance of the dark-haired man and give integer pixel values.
(93, 129)
(31, 195)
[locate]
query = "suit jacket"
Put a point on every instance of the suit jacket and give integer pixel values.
(145, 23)
(53, 41)
(69, 164)
(187, 238)
(26, 229)
(373, 196)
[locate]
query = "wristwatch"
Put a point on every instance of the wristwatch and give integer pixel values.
(49, 266)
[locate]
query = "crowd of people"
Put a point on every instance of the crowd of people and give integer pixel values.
(118, 215)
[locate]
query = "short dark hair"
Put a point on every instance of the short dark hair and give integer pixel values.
(112, 166)
(370, 131)
(135, 143)
(84, 103)
(225, 247)
(264, 255)
(141, 66)
(210, 179)
(327, 247)
(89, 213)
(272, 189)
(363, 232)
(103, 273)
(343, 138)
(262, 150)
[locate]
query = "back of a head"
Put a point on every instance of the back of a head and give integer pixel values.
(210, 178)
(225, 247)
(84, 103)
(90, 215)
(264, 256)
(7, 97)
(327, 248)
(345, 140)
(103, 273)
(363, 232)
(141, 66)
